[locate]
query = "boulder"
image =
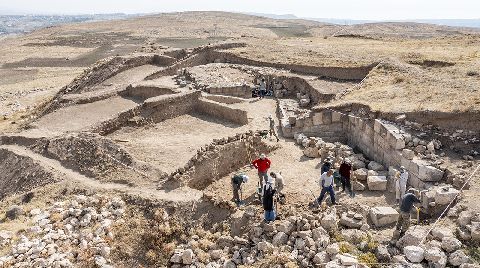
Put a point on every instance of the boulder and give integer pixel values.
(408, 154)
(375, 166)
(279, 239)
(413, 236)
(187, 256)
(414, 254)
(347, 259)
(444, 195)
(382, 254)
(286, 227)
(311, 152)
(265, 247)
(441, 232)
(361, 174)
(329, 221)
(464, 218)
(358, 186)
(458, 257)
(450, 244)
(321, 258)
(436, 257)
(429, 173)
(333, 249)
(382, 216)
(475, 231)
(350, 222)
(377, 183)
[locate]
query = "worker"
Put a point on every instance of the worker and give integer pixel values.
(345, 172)
(237, 181)
(327, 184)
(272, 128)
(262, 164)
(279, 182)
(326, 165)
(403, 223)
(263, 88)
(268, 201)
(401, 184)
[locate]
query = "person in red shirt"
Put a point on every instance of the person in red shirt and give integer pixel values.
(262, 164)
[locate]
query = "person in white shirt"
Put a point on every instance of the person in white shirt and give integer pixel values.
(401, 184)
(327, 184)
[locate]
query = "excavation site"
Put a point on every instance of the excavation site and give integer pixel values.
(129, 157)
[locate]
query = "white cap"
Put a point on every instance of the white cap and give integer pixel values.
(262, 156)
(245, 178)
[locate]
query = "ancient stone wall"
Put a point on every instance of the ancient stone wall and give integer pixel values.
(380, 141)
(224, 99)
(236, 91)
(144, 92)
(219, 110)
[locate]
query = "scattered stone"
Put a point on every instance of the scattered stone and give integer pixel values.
(377, 183)
(14, 212)
(458, 257)
(450, 244)
(375, 166)
(414, 254)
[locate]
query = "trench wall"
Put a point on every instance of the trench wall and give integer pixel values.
(216, 109)
(380, 141)
(238, 91)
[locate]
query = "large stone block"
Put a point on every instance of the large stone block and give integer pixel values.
(336, 117)
(444, 195)
(375, 166)
(317, 119)
(382, 216)
(408, 154)
(377, 183)
(327, 117)
(361, 174)
(377, 125)
(429, 173)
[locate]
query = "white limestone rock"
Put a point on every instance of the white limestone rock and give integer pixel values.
(382, 216)
(414, 254)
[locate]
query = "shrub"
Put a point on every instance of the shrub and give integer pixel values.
(474, 253)
(346, 247)
(368, 259)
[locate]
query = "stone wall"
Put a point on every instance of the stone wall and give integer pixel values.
(219, 110)
(145, 92)
(380, 141)
(224, 99)
(236, 91)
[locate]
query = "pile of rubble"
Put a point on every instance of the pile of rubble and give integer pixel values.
(317, 240)
(69, 232)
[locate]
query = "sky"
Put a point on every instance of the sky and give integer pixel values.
(339, 9)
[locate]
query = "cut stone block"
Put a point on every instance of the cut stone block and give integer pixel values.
(429, 173)
(382, 216)
(444, 195)
(377, 183)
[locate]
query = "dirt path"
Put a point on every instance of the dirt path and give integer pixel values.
(177, 195)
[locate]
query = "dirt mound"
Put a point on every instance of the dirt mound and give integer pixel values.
(89, 154)
(20, 174)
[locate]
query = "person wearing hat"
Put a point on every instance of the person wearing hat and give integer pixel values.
(345, 172)
(403, 222)
(401, 184)
(268, 193)
(262, 164)
(327, 184)
(279, 183)
(237, 181)
(327, 164)
(272, 128)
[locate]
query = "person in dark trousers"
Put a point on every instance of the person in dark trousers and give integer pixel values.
(262, 164)
(406, 205)
(237, 181)
(268, 203)
(345, 172)
(263, 88)
(327, 184)
(327, 164)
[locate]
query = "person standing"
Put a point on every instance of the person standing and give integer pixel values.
(403, 223)
(272, 128)
(237, 181)
(262, 164)
(263, 88)
(279, 182)
(268, 201)
(327, 184)
(345, 173)
(401, 184)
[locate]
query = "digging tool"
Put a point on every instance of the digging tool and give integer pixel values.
(315, 203)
